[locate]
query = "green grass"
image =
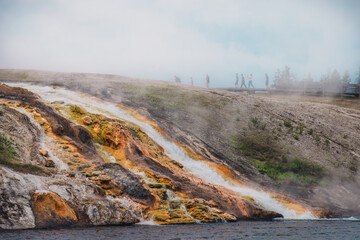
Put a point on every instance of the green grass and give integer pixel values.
(9, 157)
(269, 159)
(296, 171)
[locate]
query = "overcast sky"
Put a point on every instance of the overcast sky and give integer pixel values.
(158, 39)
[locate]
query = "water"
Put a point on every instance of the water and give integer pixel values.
(198, 168)
(47, 143)
(287, 229)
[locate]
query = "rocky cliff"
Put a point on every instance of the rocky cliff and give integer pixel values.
(62, 164)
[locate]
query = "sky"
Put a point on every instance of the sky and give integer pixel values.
(157, 39)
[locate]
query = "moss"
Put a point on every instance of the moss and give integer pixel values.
(134, 132)
(77, 110)
(251, 199)
(9, 157)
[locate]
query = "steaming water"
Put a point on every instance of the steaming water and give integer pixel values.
(197, 168)
(290, 229)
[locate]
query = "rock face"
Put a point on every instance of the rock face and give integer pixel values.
(50, 210)
(15, 206)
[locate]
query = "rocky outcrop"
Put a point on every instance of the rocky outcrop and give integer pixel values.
(15, 208)
(50, 210)
(59, 124)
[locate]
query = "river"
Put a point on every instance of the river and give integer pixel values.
(278, 229)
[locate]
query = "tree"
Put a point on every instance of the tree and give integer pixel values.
(284, 79)
(277, 78)
(346, 78)
(335, 77)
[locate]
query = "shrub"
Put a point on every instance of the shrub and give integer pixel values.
(255, 120)
(301, 129)
(298, 166)
(296, 136)
(287, 123)
(353, 168)
(311, 131)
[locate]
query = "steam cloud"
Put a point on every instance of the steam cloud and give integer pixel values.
(159, 39)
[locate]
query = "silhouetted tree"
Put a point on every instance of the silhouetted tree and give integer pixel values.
(346, 78)
(335, 77)
(284, 79)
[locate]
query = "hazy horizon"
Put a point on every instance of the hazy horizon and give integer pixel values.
(159, 39)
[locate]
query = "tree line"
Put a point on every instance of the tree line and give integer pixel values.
(284, 79)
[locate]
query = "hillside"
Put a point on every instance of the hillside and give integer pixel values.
(306, 149)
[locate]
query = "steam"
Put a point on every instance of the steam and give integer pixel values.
(185, 38)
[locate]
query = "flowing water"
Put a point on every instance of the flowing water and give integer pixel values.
(285, 229)
(198, 168)
(47, 143)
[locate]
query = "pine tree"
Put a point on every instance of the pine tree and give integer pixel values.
(346, 78)
(284, 79)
